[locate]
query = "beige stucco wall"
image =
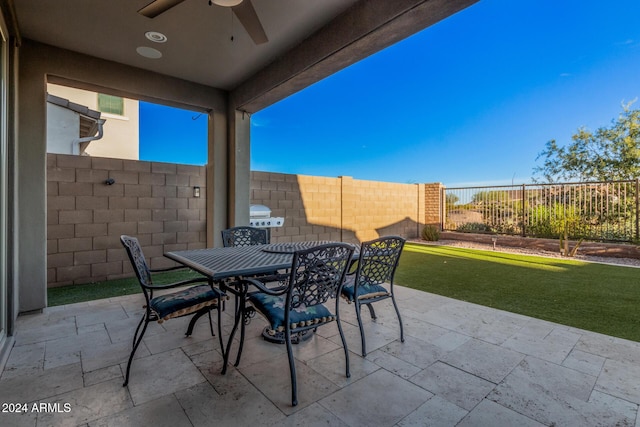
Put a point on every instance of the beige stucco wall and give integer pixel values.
(121, 133)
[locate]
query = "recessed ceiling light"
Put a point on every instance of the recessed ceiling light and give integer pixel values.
(227, 3)
(149, 52)
(155, 36)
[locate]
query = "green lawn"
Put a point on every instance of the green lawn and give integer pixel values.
(112, 288)
(596, 297)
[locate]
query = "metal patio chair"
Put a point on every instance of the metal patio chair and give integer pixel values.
(316, 275)
(373, 279)
(244, 236)
(195, 300)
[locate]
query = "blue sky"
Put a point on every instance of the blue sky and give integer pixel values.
(470, 100)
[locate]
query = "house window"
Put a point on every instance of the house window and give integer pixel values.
(111, 104)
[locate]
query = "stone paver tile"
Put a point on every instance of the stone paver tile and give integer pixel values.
(484, 360)
(492, 327)
(245, 407)
(332, 367)
(173, 339)
(553, 395)
(313, 415)
(160, 374)
(621, 406)
(620, 379)
(584, 362)
(435, 412)
(44, 333)
(554, 346)
(315, 347)
(415, 352)
(65, 351)
(450, 341)
(102, 375)
(609, 347)
(271, 377)
(25, 360)
(376, 336)
(458, 387)
(109, 355)
(43, 385)
(123, 329)
(556, 378)
(26, 418)
(380, 399)
(87, 404)
(393, 364)
(489, 413)
(422, 330)
(162, 412)
(101, 315)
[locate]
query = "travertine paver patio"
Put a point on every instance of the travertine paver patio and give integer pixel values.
(461, 364)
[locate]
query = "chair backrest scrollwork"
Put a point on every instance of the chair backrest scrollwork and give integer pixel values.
(244, 236)
(378, 260)
(138, 260)
(317, 274)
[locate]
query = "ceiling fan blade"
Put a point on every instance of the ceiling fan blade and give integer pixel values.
(248, 17)
(157, 7)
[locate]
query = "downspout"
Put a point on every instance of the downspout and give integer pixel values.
(78, 145)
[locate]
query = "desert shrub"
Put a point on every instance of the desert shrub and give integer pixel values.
(430, 233)
(474, 227)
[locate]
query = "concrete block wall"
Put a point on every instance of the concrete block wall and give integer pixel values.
(321, 208)
(150, 200)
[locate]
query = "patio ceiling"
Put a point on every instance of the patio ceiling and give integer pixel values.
(307, 39)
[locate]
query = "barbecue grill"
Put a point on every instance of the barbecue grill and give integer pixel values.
(260, 217)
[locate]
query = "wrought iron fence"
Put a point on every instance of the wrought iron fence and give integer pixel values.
(601, 211)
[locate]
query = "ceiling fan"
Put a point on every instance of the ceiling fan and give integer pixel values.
(243, 10)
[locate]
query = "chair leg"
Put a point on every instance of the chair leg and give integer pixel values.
(220, 327)
(195, 318)
(399, 318)
(242, 331)
(292, 368)
(372, 311)
(239, 314)
(135, 335)
(359, 316)
(344, 346)
(145, 319)
(213, 334)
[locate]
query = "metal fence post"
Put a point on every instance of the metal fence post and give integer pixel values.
(524, 226)
(637, 208)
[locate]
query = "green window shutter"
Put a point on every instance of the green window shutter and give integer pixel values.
(111, 104)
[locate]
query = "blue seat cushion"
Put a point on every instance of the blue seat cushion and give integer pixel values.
(365, 291)
(184, 302)
(272, 308)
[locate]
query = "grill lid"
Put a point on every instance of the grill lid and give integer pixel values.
(259, 211)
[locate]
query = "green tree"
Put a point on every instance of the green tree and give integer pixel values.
(608, 154)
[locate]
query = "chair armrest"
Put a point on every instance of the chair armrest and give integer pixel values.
(180, 283)
(160, 270)
(258, 284)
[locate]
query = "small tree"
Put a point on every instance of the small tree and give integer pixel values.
(608, 154)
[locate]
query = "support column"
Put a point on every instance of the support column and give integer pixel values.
(239, 168)
(217, 182)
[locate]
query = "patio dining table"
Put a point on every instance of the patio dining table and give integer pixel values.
(227, 266)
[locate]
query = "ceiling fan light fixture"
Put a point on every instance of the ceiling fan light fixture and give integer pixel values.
(227, 3)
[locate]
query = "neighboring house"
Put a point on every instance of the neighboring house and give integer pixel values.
(73, 117)
(71, 127)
